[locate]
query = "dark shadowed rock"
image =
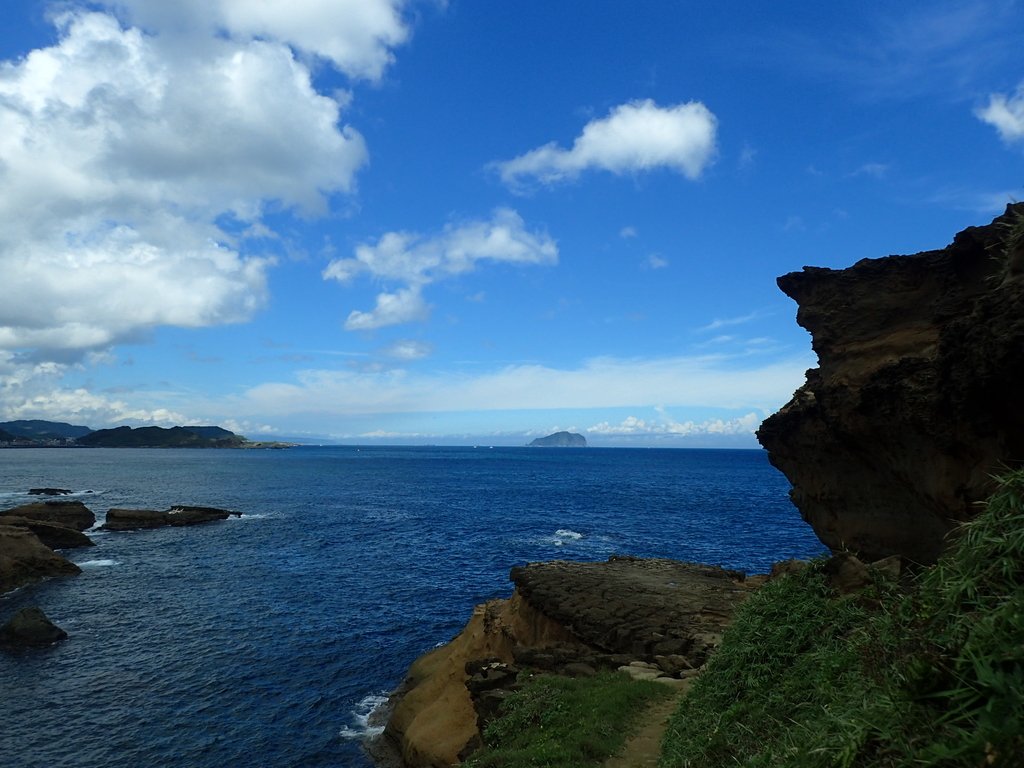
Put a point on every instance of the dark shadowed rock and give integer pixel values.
(48, 492)
(641, 607)
(72, 514)
(30, 628)
(25, 559)
(894, 438)
(53, 535)
(140, 519)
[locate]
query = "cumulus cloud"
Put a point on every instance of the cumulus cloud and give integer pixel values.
(357, 36)
(418, 260)
(634, 137)
(119, 157)
(1005, 114)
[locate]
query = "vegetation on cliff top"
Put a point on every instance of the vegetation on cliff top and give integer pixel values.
(561, 722)
(925, 674)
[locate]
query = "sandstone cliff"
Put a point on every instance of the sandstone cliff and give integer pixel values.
(894, 438)
(567, 617)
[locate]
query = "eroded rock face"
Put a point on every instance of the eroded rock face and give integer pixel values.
(565, 617)
(25, 559)
(916, 402)
(72, 514)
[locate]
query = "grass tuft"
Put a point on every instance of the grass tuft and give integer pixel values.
(560, 722)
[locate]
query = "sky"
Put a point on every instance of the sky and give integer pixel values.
(417, 221)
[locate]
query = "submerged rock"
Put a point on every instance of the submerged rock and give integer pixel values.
(48, 491)
(25, 559)
(30, 628)
(915, 405)
(71, 514)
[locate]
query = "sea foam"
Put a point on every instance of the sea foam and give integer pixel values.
(362, 715)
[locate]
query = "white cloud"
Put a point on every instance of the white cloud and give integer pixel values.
(119, 155)
(666, 425)
(655, 261)
(717, 381)
(418, 260)
(634, 137)
(875, 170)
(1005, 114)
(409, 349)
(627, 232)
(355, 35)
(404, 306)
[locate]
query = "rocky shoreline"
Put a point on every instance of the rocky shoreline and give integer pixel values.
(654, 619)
(32, 536)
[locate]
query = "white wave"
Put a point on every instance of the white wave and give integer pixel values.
(97, 563)
(565, 536)
(362, 714)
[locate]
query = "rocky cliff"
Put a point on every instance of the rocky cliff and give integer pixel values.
(894, 438)
(660, 618)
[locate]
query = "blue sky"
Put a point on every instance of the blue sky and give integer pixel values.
(465, 222)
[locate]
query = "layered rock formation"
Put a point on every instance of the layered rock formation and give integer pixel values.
(565, 617)
(916, 403)
(70, 514)
(138, 519)
(25, 559)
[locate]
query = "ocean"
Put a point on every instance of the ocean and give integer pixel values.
(266, 640)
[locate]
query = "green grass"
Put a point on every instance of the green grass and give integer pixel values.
(559, 722)
(930, 674)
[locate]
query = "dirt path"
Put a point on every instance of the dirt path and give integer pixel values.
(643, 748)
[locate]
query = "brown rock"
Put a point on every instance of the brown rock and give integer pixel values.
(53, 535)
(846, 574)
(71, 514)
(916, 402)
(25, 559)
(141, 519)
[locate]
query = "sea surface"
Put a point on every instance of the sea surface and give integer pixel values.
(266, 640)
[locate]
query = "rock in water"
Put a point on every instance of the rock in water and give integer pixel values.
(25, 559)
(29, 628)
(560, 440)
(72, 514)
(916, 402)
(138, 519)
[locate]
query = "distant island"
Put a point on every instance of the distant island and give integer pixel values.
(556, 440)
(56, 434)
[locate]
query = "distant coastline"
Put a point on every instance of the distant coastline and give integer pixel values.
(54, 434)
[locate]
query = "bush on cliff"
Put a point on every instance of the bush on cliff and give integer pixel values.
(561, 722)
(926, 675)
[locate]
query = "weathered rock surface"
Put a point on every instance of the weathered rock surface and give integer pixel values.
(53, 535)
(30, 628)
(25, 559)
(71, 514)
(572, 618)
(140, 519)
(894, 438)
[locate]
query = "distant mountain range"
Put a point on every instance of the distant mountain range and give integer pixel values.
(37, 433)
